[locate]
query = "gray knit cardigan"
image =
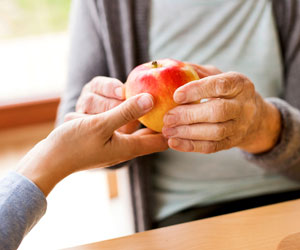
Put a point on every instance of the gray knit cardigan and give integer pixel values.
(110, 37)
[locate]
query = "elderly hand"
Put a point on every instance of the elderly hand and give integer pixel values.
(100, 95)
(235, 115)
(91, 141)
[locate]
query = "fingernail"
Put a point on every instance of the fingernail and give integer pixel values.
(179, 97)
(169, 131)
(170, 119)
(119, 92)
(145, 102)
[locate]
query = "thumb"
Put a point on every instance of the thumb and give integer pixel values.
(129, 110)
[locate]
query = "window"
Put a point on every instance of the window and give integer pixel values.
(33, 54)
(33, 48)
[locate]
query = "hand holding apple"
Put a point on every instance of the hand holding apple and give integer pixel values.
(161, 78)
(235, 116)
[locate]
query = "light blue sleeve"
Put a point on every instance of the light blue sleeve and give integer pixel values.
(22, 204)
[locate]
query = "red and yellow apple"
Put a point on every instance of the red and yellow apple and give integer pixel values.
(160, 79)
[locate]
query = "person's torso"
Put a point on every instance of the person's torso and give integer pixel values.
(234, 35)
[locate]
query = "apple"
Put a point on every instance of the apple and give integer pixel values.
(160, 79)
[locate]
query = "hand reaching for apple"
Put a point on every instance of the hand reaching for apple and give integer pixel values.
(100, 95)
(235, 116)
(90, 141)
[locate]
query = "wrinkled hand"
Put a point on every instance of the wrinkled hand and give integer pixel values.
(234, 116)
(91, 141)
(100, 95)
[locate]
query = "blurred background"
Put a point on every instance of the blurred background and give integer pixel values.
(85, 207)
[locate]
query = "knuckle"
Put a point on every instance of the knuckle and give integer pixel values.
(212, 109)
(236, 76)
(222, 110)
(97, 85)
(222, 86)
(210, 147)
(183, 131)
(86, 103)
(93, 123)
(239, 80)
(78, 105)
(128, 113)
(94, 84)
(67, 117)
(213, 69)
(106, 105)
(96, 80)
(104, 86)
(217, 110)
(227, 143)
(188, 116)
(86, 88)
(237, 111)
(250, 87)
(99, 125)
(113, 103)
(221, 132)
(196, 91)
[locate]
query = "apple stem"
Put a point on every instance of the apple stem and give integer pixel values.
(155, 64)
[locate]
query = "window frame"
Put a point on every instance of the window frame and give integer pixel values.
(23, 112)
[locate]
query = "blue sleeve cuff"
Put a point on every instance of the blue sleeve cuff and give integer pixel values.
(22, 204)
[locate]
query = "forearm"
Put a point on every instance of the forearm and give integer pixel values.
(284, 157)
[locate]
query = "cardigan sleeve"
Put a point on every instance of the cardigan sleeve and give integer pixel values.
(86, 56)
(285, 156)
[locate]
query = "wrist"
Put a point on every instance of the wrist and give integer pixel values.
(267, 131)
(43, 167)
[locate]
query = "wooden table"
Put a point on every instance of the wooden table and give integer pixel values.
(272, 227)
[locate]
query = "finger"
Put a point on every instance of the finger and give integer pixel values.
(144, 131)
(212, 111)
(204, 147)
(201, 132)
(73, 115)
(130, 127)
(226, 85)
(91, 103)
(137, 145)
(205, 70)
(128, 111)
(108, 87)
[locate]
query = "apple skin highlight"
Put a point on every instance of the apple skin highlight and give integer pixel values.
(160, 79)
